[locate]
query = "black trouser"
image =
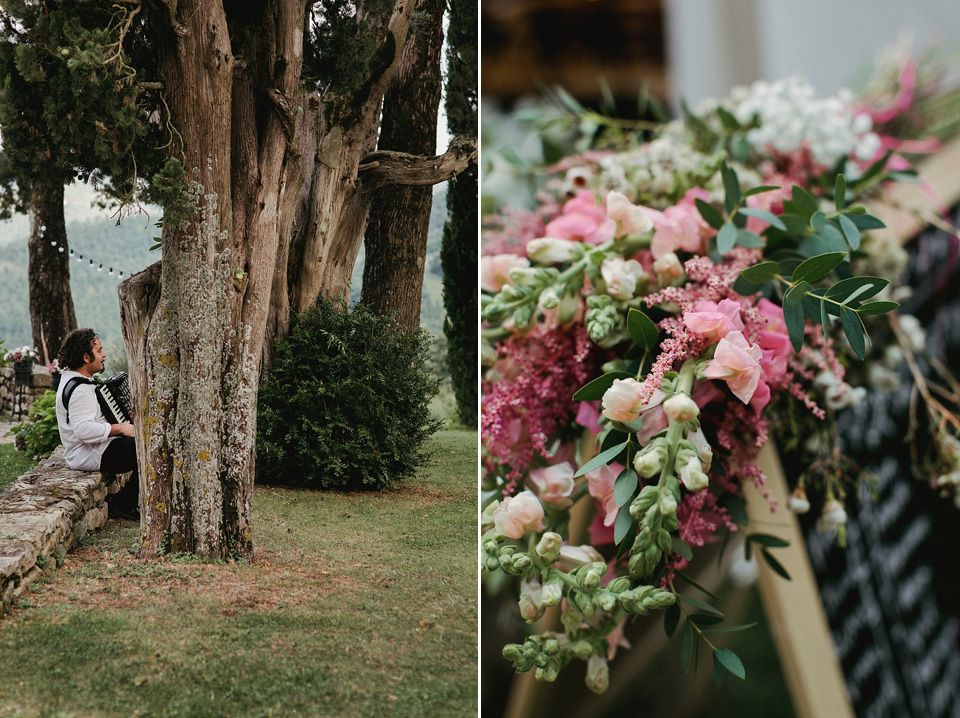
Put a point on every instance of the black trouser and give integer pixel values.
(119, 457)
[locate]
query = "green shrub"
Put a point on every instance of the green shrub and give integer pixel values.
(347, 402)
(39, 434)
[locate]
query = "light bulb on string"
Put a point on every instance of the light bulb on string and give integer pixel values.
(100, 268)
(91, 263)
(60, 249)
(79, 257)
(53, 243)
(111, 271)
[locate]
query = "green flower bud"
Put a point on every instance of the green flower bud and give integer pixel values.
(548, 547)
(581, 650)
(584, 603)
(662, 599)
(668, 504)
(549, 299)
(571, 618)
(643, 539)
(552, 590)
(619, 584)
(491, 563)
(513, 652)
(523, 316)
(567, 309)
(511, 293)
(670, 522)
(551, 646)
(605, 600)
(650, 461)
(591, 578)
(663, 540)
(549, 672)
(598, 674)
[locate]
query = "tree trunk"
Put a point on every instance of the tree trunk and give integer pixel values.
(458, 253)
(195, 324)
(396, 238)
(52, 315)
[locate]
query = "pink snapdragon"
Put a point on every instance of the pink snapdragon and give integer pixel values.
(601, 482)
(622, 276)
(631, 219)
(737, 362)
(554, 484)
(518, 514)
(715, 320)
(583, 220)
(623, 401)
(495, 270)
(774, 341)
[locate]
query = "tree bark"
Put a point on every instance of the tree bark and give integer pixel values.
(52, 315)
(195, 324)
(396, 237)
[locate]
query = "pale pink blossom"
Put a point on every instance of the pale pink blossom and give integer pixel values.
(714, 320)
(681, 407)
(681, 227)
(583, 220)
(550, 250)
(654, 418)
(554, 484)
(621, 276)
(588, 416)
(573, 556)
(623, 401)
(601, 482)
(495, 270)
(668, 268)
(631, 218)
(736, 362)
(518, 514)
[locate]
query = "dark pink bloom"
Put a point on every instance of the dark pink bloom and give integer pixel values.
(583, 220)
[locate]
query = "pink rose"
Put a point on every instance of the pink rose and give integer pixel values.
(601, 482)
(583, 220)
(518, 514)
(714, 320)
(737, 362)
(554, 484)
(495, 270)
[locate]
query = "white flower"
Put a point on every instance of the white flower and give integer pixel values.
(551, 250)
(680, 407)
(833, 516)
(691, 472)
(798, 501)
(622, 276)
(913, 332)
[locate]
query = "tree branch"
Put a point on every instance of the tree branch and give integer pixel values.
(380, 169)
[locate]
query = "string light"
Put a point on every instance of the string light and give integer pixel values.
(90, 262)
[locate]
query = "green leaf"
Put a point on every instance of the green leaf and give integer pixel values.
(726, 238)
(863, 221)
(711, 215)
(744, 287)
(850, 231)
(806, 204)
(704, 619)
(595, 389)
(833, 238)
(642, 330)
(624, 526)
(750, 240)
(729, 629)
(818, 221)
(824, 319)
(843, 289)
(569, 101)
(818, 267)
(731, 187)
(625, 486)
(760, 273)
(671, 619)
(729, 660)
(628, 427)
(718, 673)
(775, 564)
(871, 308)
(840, 193)
(796, 294)
(693, 583)
(687, 645)
(602, 459)
(765, 215)
(681, 548)
(768, 540)
(853, 328)
(697, 603)
(760, 189)
(728, 121)
(793, 318)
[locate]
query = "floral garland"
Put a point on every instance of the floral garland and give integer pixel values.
(667, 305)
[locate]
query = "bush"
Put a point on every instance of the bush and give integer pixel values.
(346, 404)
(39, 434)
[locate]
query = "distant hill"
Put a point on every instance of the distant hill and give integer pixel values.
(93, 234)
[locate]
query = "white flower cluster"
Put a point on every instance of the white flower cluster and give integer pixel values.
(658, 173)
(790, 115)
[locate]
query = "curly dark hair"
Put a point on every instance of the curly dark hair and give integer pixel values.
(77, 343)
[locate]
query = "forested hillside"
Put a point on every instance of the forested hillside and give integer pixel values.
(127, 248)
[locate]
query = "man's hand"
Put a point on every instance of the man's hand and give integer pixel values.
(124, 429)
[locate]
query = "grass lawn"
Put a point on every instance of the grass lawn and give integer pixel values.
(356, 605)
(13, 464)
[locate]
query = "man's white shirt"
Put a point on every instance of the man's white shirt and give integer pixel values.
(86, 436)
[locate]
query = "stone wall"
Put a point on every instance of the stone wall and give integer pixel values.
(41, 382)
(44, 514)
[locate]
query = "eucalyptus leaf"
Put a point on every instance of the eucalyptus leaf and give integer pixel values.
(765, 215)
(863, 221)
(872, 308)
(687, 645)
(624, 487)
(745, 288)
(726, 238)
(845, 287)
(594, 390)
(729, 660)
(840, 193)
(850, 231)
(697, 603)
(768, 540)
(624, 526)
(760, 189)
(730, 629)
(818, 267)
(748, 239)
(642, 330)
(731, 186)
(760, 273)
(793, 318)
(853, 328)
(805, 202)
(681, 548)
(671, 619)
(601, 459)
(711, 215)
(775, 565)
(796, 294)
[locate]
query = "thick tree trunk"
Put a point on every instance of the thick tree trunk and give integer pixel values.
(396, 238)
(195, 324)
(52, 315)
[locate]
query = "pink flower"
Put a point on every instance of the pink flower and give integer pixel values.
(737, 362)
(583, 220)
(495, 270)
(681, 227)
(554, 484)
(601, 482)
(518, 514)
(588, 416)
(774, 341)
(632, 219)
(714, 320)
(622, 401)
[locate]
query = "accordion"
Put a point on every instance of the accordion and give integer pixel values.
(113, 395)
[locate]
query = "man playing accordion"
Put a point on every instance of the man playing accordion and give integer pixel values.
(91, 442)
